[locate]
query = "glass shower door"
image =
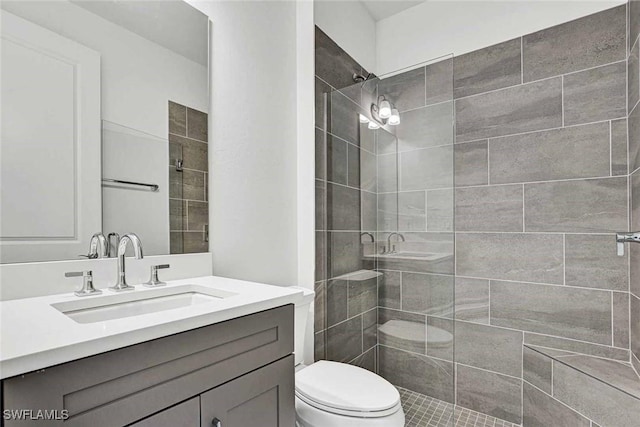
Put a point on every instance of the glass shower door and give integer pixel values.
(388, 242)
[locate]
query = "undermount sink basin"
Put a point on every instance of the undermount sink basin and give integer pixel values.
(136, 303)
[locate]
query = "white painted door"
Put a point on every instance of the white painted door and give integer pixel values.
(50, 195)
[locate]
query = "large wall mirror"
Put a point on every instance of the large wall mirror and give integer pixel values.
(103, 127)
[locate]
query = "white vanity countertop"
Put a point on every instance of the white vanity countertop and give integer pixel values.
(35, 335)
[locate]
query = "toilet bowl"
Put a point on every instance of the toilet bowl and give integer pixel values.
(336, 394)
(333, 394)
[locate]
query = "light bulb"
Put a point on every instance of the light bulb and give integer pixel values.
(394, 119)
(363, 119)
(385, 109)
(373, 125)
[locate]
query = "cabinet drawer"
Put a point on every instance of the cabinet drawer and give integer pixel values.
(185, 414)
(128, 384)
(262, 398)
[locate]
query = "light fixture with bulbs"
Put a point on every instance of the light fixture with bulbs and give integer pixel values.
(384, 112)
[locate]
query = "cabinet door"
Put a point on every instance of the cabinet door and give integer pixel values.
(185, 414)
(264, 398)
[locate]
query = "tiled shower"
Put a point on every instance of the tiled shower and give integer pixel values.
(514, 305)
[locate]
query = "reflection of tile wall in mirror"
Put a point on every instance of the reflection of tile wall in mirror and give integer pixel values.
(188, 167)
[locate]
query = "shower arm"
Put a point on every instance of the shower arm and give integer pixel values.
(622, 238)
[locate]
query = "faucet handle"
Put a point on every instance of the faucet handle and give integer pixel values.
(87, 285)
(154, 280)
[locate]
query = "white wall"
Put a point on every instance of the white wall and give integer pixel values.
(350, 25)
(138, 76)
(436, 28)
(254, 133)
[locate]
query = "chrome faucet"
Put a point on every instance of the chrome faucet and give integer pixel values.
(121, 284)
(621, 238)
(390, 249)
(366, 233)
(98, 247)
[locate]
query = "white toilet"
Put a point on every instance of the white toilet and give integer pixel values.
(336, 394)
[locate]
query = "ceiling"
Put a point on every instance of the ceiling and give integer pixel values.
(172, 24)
(380, 9)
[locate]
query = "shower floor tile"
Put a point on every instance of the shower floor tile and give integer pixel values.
(425, 411)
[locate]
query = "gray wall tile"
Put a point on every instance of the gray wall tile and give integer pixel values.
(523, 108)
(581, 314)
(439, 81)
(576, 346)
(320, 306)
(319, 348)
(591, 262)
(368, 171)
(472, 300)
(363, 296)
(344, 341)
(177, 119)
(621, 319)
(194, 242)
(587, 42)
(412, 211)
(440, 210)
(488, 347)
(619, 147)
(405, 90)
(537, 369)
(369, 202)
(176, 245)
(426, 169)
(595, 205)
(177, 215)
(370, 329)
(332, 64)
(321, 255)
(634, 140)
(320, 154)
(353, 166)
(187, 184)
(471, 164)
(336, 155)
(409, 370)
(491, 68)
(575, 152)
(541, 410)
(197, 125)
(595, 94)
(366, 360)
(194, 153)
(635, 325)
(197, 215)
(389, 289)
(440, 338)
(491, 208)
(344, 119)
(490, 393)
(428, 293)
(321, 88)
(387, 173)
(593, 398)
(388, 212)
(530, 257)
(633, 76)
(343, 208)
(402, 330)
(336, 301)
(345, 252)
(634, 21)
(426, 127)
(321, 208)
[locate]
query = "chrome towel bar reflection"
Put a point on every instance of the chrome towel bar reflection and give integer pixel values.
(150, 187)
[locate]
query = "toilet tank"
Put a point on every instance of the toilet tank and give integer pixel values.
(302, 326)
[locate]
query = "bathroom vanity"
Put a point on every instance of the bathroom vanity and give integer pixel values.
(224, 362)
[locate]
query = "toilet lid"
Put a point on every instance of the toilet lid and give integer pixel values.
(345, 387)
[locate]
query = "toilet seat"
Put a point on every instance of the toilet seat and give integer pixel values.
(343, 389)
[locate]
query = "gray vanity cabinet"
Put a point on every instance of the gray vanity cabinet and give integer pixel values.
(256, 399)
(240, 371)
